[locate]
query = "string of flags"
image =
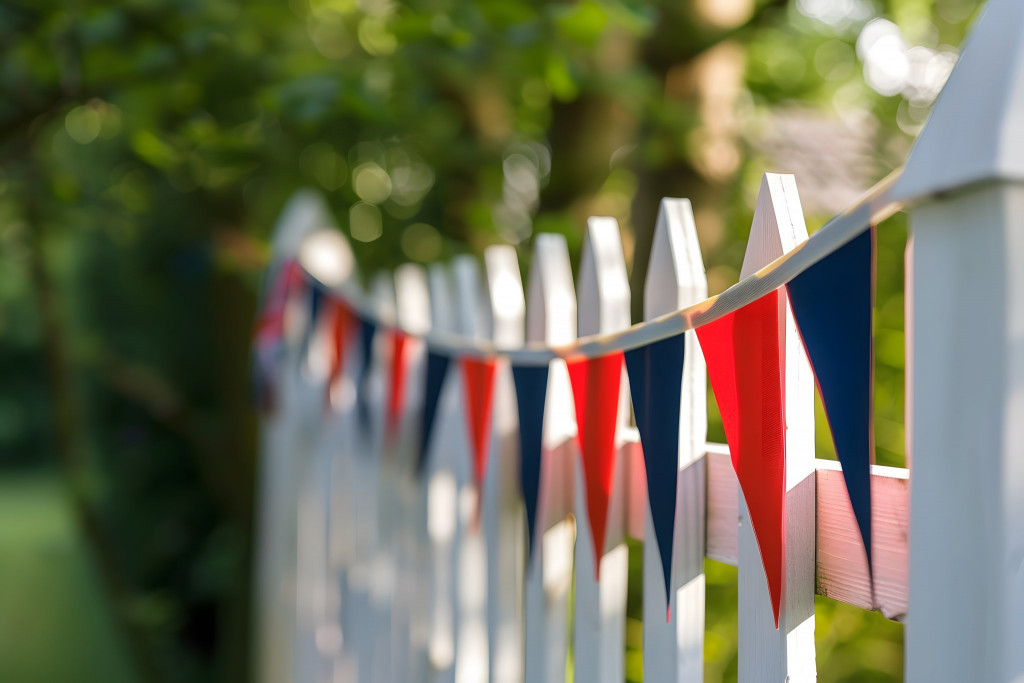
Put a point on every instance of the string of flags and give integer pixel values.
(832, 302)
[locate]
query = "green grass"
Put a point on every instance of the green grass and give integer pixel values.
(55, 625)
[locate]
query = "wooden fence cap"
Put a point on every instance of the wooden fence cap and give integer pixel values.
(975, 132)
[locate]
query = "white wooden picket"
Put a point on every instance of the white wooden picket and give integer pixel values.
(446, 475)
(674, 649)
(502, 511)
(966, 602)
(600, 608)
(841, 567)
(472, 653)
(410, 620)
(786, 653)
(275, 604)
(551, 318)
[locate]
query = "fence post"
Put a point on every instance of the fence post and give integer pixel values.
(966, 611)
(786, 654)
(674, 651)
(600, 614)
(551, 318)
(502, 511)
(471, 646)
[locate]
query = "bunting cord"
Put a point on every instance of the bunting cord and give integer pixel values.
(875, 206)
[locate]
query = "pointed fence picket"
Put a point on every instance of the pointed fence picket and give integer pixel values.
(600, 608)
(446, 474)
(276, 601)
(472, 654)
(502, 512)
(674, 648)
(410, 629)
(551, 318)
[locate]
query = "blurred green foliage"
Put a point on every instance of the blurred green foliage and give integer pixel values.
(147, 145)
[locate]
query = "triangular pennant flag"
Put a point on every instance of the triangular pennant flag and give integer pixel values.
(367, 331)
(832, 302)
(742, 350)
(437, 368)
(531, 392)
(595, 388)
(396, 387)
(342, 321)
(316, 295)
(269, 333)
(655, 382)
(478, 380)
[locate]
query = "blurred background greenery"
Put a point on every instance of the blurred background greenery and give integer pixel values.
(146, 147)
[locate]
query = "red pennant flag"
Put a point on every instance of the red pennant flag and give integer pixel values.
(478, 379)
(744, 362)
(270, 326)
(342, 323)
(396, 396)
(269, 331)
(595, 388)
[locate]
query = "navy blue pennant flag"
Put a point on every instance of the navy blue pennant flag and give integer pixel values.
(437, 368)
(655, 382)
(531, 392)
(367, 330)
(316, 295)
(832, 302)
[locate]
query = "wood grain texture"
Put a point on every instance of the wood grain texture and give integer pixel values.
(472, 317)
(840, 566)
(723, 505)
(842, 572)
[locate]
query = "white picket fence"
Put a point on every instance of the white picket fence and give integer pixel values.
(369, 574)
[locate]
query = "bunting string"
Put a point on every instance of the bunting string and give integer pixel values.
(874, 207)
(829, 280)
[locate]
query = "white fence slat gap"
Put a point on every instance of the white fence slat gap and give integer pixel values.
(471, 646)
(411, 625)
(600, 610)
(767, 654)
(502, 511)
(551, 318)
(674, 651)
